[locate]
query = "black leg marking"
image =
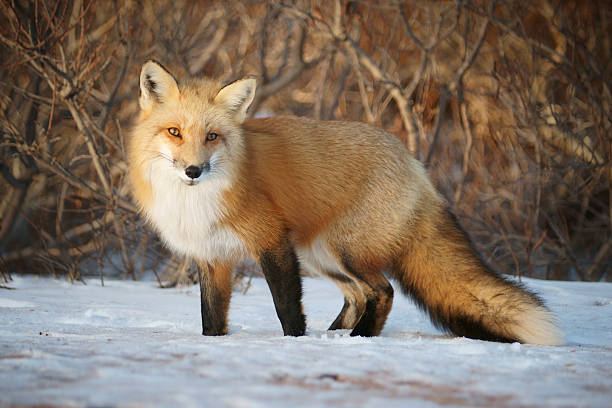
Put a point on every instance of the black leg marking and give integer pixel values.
(282, 272)
(366, 326)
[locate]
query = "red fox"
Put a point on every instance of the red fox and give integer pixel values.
(341, 199)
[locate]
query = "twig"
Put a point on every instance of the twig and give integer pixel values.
(568, 252)
(467, 131)
(31, 252)
(516, 262)
(4, 271)
(442, 103)
(361, 58)
(221, 26)
(284, 79)
(602, 253)
(457, 80)
(50, 164)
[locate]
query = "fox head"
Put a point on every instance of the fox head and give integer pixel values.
(189, 130)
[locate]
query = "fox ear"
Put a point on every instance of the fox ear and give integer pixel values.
(237, 97)
(157, 85)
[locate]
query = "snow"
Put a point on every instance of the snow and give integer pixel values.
(133, 344)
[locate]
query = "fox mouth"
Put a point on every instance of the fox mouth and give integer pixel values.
(191, 182)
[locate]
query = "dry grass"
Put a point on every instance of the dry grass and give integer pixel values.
(508, 103)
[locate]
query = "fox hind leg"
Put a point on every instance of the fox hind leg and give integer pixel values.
(378, 293)
(354, 302)
(377, 308)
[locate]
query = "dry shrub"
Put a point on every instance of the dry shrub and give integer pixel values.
(507, 103)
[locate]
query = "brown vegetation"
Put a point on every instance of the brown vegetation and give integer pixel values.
(508, 103)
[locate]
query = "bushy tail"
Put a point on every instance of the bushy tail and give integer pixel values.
(446, 277)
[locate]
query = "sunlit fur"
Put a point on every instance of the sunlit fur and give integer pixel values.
(186, 212)
(353, 200)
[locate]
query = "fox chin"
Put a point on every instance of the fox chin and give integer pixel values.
(340, 199)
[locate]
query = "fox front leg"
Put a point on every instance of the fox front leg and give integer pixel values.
(282, 272)
(215, 293)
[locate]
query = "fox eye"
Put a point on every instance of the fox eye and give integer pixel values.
(211, 136)
(175, 132)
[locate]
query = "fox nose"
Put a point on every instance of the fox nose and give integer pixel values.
(193, 172)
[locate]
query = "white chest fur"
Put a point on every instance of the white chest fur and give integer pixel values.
(187, 218)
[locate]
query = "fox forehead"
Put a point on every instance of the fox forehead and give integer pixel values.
(193, 111)
(199, 88)
(189, 113)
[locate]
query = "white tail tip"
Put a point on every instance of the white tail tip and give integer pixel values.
(539, 326)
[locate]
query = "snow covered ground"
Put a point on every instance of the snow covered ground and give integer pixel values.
(133, 344)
